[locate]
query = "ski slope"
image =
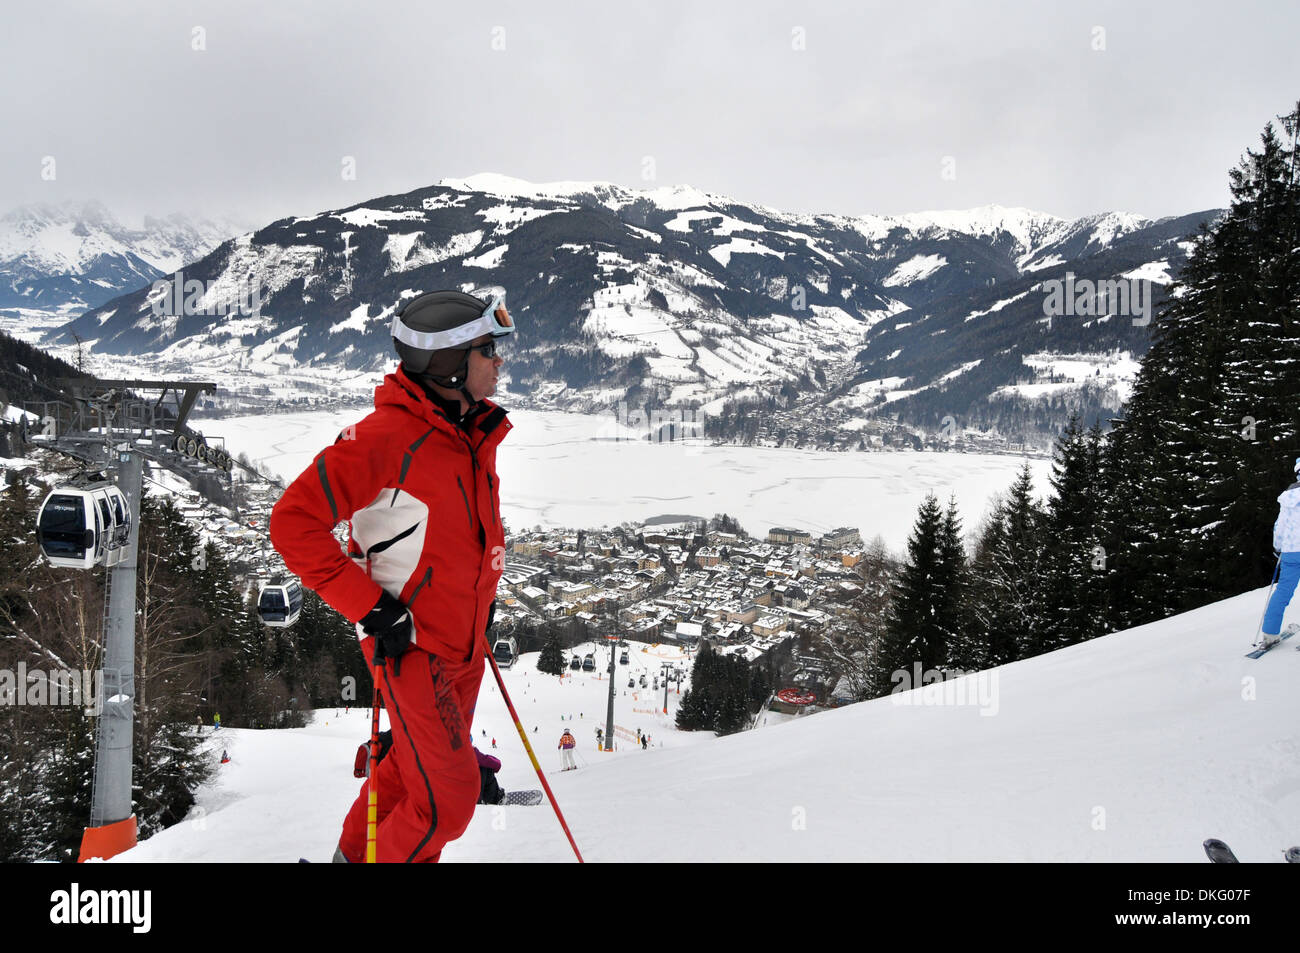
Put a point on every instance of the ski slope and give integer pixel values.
(1133, 747)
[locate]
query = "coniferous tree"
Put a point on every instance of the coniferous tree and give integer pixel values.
(551, 659)
(694, 713)
(952, 579)
(1006, 597)
(924, 613)
(1073, 558)
(1206, 440)
(719, 697)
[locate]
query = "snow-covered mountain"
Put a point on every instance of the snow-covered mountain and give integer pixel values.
(1133, 747)
(692, 296)
(76, 256)
(991, 356)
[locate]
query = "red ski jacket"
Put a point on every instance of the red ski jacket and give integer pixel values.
(422, 498)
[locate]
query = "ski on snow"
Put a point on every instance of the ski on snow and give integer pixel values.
(1261, 650)
(1221, 853)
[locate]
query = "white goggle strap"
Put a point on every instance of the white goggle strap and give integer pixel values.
(485, 323)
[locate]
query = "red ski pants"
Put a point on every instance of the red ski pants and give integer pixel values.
(429, 780)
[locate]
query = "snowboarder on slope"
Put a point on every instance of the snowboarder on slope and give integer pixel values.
(417, 481)
(567, 744)
(1286, 543)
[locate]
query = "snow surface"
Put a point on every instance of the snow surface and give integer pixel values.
(1133, 747)
(564, 469)
(489, 259)
(916, 268)
(1116, 370)
(997, 306)
(741, 246)
(681, 222)
(1051, 261)
(1156, 271)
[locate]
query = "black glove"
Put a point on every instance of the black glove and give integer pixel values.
(390, 624)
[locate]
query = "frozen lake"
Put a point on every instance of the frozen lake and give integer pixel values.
(563, 469)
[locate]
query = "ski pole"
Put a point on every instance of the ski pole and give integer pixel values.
(523, 735)
(1259, 629)
(372, 783)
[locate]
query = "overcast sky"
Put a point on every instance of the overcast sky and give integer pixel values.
(249, 108)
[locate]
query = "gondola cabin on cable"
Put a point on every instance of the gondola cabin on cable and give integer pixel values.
(575, 663)
(83, 525)
(505, 651)
(279, 603)
(589, 663)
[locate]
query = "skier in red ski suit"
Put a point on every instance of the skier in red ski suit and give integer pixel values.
(417, 481)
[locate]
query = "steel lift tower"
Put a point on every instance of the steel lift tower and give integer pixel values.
(107, 425)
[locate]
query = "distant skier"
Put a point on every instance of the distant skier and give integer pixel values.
(567, 744)
(216, 720)
(1286, 543)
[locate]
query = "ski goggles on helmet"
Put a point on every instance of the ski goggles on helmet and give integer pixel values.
(494, 320)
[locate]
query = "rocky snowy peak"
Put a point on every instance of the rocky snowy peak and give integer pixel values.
(983, 355)
(1084, 236)
(78, 255)
(608, 194)
(692, 297)
(1026, 228)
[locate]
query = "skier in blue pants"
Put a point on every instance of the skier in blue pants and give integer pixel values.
(1286, 542)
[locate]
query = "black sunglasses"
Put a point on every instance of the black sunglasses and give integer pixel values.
(488, 350)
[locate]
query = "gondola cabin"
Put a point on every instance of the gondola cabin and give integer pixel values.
(505, 651)
(575, 663)
(589, 663)
(80, 526)
(279, 603)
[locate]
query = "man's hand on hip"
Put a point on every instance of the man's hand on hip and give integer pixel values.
(389, 622)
